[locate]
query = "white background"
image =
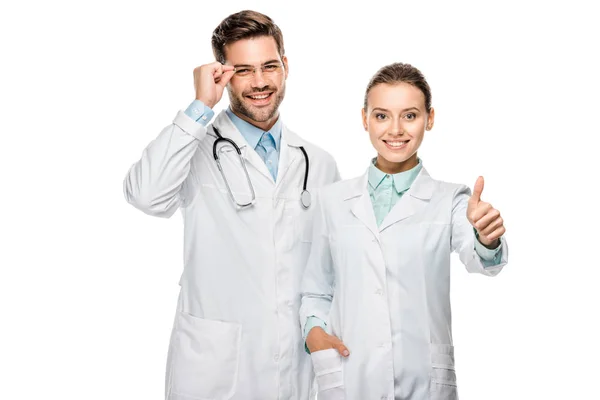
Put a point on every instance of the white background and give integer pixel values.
(88, 284)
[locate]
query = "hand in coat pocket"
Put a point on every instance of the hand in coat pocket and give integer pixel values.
(317, 340)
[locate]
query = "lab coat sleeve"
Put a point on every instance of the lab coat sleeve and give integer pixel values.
(154, 183)
(337, 175)
(463, 238)
(318, 281)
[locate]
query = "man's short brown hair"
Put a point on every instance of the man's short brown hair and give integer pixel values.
(245, 24)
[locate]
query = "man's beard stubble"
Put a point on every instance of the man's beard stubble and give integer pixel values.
(238, 106)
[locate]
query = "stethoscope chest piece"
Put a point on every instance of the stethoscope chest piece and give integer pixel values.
(305, 199)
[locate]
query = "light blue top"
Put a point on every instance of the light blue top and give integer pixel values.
(266, 144)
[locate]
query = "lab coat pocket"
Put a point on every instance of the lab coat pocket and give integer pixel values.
(205, 358)
(443, 375)
(327, 365)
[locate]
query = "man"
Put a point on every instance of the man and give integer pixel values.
(236, 333)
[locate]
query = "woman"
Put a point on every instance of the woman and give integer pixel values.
(376, 291)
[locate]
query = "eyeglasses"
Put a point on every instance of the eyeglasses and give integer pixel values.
(248, 71)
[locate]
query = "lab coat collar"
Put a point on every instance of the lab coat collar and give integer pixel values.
(402, 180)
(362, 207)
(292, 139)
(286, 158)
(416, 198)
(253, 134)
(422, 187)
(413, 201)
(228, 130)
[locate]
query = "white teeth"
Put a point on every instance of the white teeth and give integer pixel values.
(397, 144)
(263, 96)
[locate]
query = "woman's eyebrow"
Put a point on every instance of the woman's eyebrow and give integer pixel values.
(411, 108)
(381, 109)
(386, 110)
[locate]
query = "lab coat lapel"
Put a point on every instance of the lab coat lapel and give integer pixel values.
(289, 154)
(413, 201)
(229, 130)
(252, 157)
(362, 208)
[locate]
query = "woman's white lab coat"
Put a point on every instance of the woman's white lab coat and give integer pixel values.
(236, 333)
(385, 291)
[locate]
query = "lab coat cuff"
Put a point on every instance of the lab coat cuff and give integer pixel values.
(189, 126)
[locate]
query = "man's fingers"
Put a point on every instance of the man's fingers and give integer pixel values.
(225, 78)
(215, 66)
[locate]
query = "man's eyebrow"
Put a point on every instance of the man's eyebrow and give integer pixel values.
(252, 66)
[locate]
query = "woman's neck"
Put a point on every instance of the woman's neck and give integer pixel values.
(396, 167)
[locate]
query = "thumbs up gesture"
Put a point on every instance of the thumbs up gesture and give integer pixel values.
(485, 218)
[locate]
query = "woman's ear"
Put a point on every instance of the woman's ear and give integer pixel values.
(364, 119)
(430, 119)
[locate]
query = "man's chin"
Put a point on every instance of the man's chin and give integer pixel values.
(260, 114)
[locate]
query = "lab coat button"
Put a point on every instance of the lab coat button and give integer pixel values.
(379, 292)
(276, 357)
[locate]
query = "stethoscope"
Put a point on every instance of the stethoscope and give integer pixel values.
(305, 197)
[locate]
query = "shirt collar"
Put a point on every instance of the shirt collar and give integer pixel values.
(251, 133)
(402, 180)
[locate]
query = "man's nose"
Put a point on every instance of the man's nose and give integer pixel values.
(258, 79)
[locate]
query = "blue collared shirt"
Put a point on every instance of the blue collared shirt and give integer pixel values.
(266, 144)
(385, 190)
